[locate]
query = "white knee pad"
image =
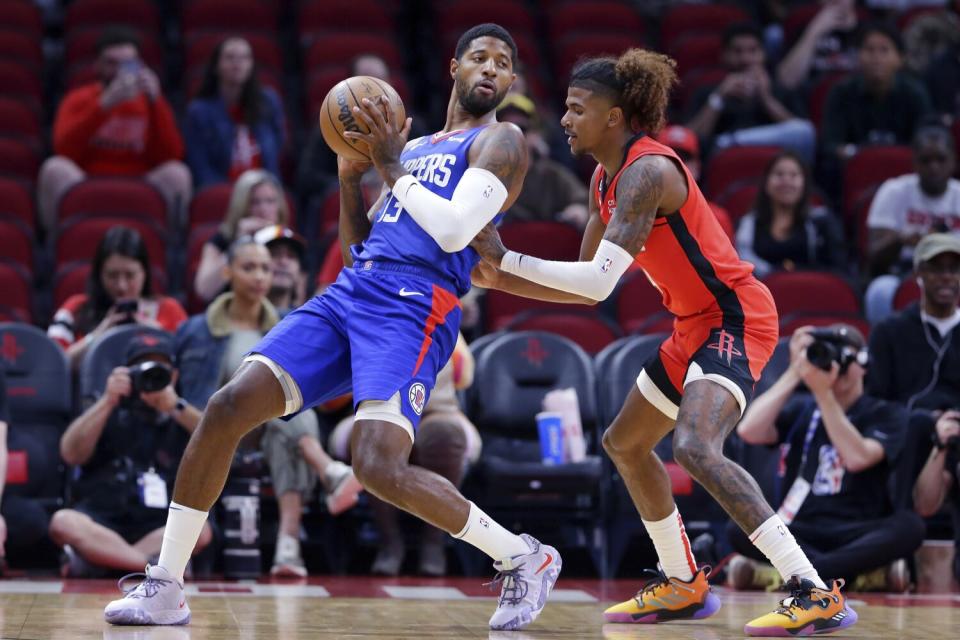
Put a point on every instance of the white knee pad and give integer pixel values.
(385, 411)
(291, 391)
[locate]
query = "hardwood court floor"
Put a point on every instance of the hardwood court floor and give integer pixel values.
(356, 608)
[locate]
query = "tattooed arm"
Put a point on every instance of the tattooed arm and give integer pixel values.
(354, 222)
(647, 186)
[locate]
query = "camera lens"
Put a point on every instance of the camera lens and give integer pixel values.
(822, 354)
(150, 376)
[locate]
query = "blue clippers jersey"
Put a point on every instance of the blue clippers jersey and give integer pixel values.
(438, 162)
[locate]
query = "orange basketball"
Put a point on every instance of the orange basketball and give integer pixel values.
(336, 113)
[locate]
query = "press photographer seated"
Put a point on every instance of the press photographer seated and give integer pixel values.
(128, 445)
(838, 447)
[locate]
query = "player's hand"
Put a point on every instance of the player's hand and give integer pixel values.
(386, 138)
(489, 245)
(485, 275)
(118, 385)
(817, 380)
(352, 169)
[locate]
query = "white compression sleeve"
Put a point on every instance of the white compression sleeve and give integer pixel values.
(594, 280)
(453, 223)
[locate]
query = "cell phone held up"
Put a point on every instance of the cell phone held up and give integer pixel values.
(128, 309)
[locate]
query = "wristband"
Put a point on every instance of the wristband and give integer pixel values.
(180, 407)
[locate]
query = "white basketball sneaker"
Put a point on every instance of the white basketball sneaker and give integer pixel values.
(159, 599)
(527, 582)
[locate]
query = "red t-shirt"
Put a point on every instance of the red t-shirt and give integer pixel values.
(246, 152)
(63, 330)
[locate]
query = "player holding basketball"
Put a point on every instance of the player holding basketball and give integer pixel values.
(646, 208)
(384, 329)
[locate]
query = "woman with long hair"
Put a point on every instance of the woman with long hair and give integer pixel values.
(233, 123)
(784, 231)
(119, 291)
(257, 201)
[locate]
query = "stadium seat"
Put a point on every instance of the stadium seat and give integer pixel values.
(15, 284)
(223, 15)
(638, 303)
(18, 80)
(140, 14)
(733, 167)
(81, 51)
(461, 15)
(71, 279)
(22, 16)
(907, 293)
(209, 205)
(499, 308)
(605, 15)
(867, 170)
(342, 48)
(16, 203)
(590, 331)
(16, 244)
(811, 292)
(114, 197)
(20, 122)
(19, 160)
(322, 17)
(571, 48)
(617, 371)
(547, 240)
(692, 81)
(105, 354)
(199, 235)
(696, 51)
(792, 322)
(20, 47)
(739, 200)
(266, 51)
(817, 100)
(683, 19)
(513, 374)
(78, 238)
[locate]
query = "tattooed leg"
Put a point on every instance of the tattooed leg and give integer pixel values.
(629, 442)
(708, 413)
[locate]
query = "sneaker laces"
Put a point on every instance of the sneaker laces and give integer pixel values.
(514, 587)
(658, 580)
(802, 597)
(147, 588)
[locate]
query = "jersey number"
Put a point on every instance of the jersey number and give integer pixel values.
(386, 215)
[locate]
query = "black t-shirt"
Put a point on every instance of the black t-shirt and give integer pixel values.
(132, 442)
(740, 113)
(834, 491)
(4, 412)
(817, 243)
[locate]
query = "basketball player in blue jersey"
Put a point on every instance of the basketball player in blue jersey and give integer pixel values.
(383, 329)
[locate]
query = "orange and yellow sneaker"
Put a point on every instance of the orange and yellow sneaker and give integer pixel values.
(663, 599)
(808, 611)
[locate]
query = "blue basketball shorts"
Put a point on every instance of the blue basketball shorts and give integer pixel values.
(380, 330)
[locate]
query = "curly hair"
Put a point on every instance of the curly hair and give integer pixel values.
(639, 82)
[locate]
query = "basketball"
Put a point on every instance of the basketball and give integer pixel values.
(336, 113)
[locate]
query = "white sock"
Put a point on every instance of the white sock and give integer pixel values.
(179, 538)
(776, 542)
(487, 535)
(673, 548)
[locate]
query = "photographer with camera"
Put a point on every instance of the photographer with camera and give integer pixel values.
(128, 445)
(939, 481)
(838, 447)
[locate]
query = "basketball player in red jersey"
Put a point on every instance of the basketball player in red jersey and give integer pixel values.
(646, 208)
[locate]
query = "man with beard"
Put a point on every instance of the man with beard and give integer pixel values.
(383, 329)
(287, 248)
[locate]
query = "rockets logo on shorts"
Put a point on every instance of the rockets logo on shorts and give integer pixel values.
(417, 397)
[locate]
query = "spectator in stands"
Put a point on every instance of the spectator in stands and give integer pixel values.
(915, 355)
(943, 82)
(939, 480)
(287, 254)
(838, 448)
(128, 445)
(878, 104)
(120, 290)
(120, 125)
(905, 209)
(826, 45)
(211, 346)
(447, 443)
(23, 521)
(551, 191)
(685, 143)
(784, 232)
(233, 124)
(747, 108)
(257, 201)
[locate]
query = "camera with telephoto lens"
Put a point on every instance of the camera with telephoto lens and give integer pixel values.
(834, 345)
(150, 376)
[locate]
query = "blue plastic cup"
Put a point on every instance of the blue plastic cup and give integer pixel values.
(550, 428)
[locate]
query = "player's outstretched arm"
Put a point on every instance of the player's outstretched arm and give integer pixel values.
(640, 191)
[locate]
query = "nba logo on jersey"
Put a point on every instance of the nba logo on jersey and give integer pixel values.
(417, 395)
(606, 265)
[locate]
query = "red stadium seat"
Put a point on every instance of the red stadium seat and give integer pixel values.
(812, 292)
(81, 49)
(794, 321)
(692, 81)
(115, 197)
(907, 293)
(604, 15)
(140, 14)
(17, 120)
(696, 51)
(739, 200)
(78, 238)
(224, 15)
(209, 206)
(589, 330)
(460, 16)
(344, 47)
(15, 302)
(571, 48)
(865, 172)
(16, 203)
(337, 16)
(639, 304)
(71, 279)
(20, 47)
(16, 244)
(198, 237)
(730, 168)
(23, 17)
(818, 96)
(683, 19)
(547, 240)
(20, 81)
(265, 49)
(500, 308)
(19, 160)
